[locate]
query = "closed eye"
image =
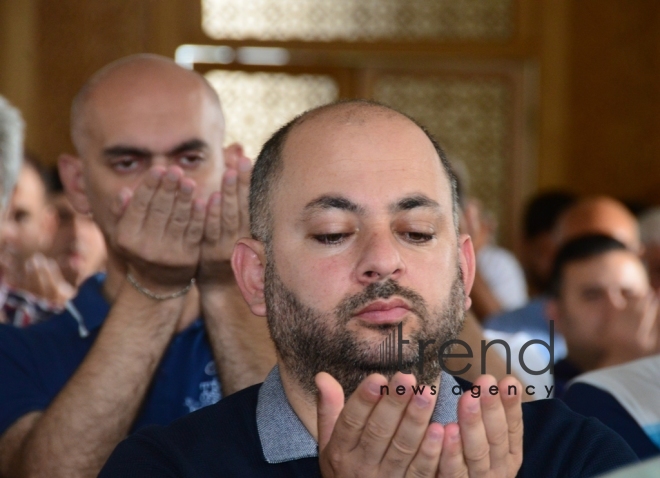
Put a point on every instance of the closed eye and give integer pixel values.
(331, 239)
(417, 237)
(126, 164)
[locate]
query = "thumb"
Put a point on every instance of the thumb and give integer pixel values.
(330, 403)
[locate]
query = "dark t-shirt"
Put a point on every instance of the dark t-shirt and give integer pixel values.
(36, 363)
(222, 440)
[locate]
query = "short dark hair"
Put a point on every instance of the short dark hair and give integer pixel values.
(268, 168)
(579, 249)
(543, 211)
(44, 173)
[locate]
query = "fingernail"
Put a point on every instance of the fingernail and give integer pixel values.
(455, 436)
(422, 401)
(215, 200)
(244, 165)
(187, 188)
(473, 406)
(435, 435)
(172, 176)
(374, 388)
(230, 179)
(156, 173)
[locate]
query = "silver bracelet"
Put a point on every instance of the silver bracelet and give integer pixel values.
(155, 296)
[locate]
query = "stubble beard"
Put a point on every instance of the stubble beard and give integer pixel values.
(309, 341)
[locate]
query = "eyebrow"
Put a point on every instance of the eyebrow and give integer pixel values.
(339, 202)
(414, 202)
(121, 150)
(333, 202)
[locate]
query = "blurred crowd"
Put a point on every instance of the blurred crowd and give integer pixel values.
(574, 314)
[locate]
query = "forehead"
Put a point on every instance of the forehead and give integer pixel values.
(29, 187)
(155, 116)
(612, 268)
(373, 160)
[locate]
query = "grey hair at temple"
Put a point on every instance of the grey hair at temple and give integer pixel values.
(11, 149)
(268, 167)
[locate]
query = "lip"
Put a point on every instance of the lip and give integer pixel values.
(383, 312)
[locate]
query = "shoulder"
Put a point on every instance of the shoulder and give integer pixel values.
(221, 436)
(591, 401)
(560, 442)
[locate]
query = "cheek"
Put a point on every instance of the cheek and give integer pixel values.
(321, 284)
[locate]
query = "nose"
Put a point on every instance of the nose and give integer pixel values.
(380, 259)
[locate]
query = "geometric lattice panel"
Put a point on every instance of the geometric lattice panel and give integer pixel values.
(358, 20)
(257, 104)
(470, 118)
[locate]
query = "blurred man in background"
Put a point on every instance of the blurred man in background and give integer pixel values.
(11, 152)
(649, 229)
(594, 215)
(538, 245)
(77, 246)
(602, 304)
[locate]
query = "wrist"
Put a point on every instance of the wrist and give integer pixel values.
(158, 291)
(218, 275)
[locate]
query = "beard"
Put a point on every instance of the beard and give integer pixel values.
(309, 341)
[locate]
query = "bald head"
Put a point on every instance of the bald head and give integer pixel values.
(151, 81)
(328, 118)
(599, 215)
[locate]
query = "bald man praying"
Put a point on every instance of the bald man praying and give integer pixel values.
(165, 331)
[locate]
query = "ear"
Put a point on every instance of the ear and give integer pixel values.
(71, 174)
(552, 313)
(468, 265)
(249, 264)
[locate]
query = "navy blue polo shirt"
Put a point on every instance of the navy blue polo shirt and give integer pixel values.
(36, 363)
(256, 433)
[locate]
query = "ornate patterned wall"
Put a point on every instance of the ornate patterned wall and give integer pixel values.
(364, 20)
(256, 104)
(470, 118)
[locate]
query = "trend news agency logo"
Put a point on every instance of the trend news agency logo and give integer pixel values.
(391, 356)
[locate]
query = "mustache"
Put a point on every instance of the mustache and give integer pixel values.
(380, 290)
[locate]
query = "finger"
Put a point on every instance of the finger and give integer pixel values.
(384, 420)
(136, 210)
(121, 202)
(230, 213)
(162, 202)
(452, 462)
(195, 230)
(355, 414)
(473, 433)
(212, 224)
(39, 277)
(514, 417)
(427, 458)
(232, 154)
(411, 431)
(495, 423)
(244, 172)
(181, 210)
(330, 403)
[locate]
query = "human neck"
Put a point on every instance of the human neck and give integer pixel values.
(586, 362)
(116, 278)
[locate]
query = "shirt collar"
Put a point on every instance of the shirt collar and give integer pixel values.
(284, 437)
